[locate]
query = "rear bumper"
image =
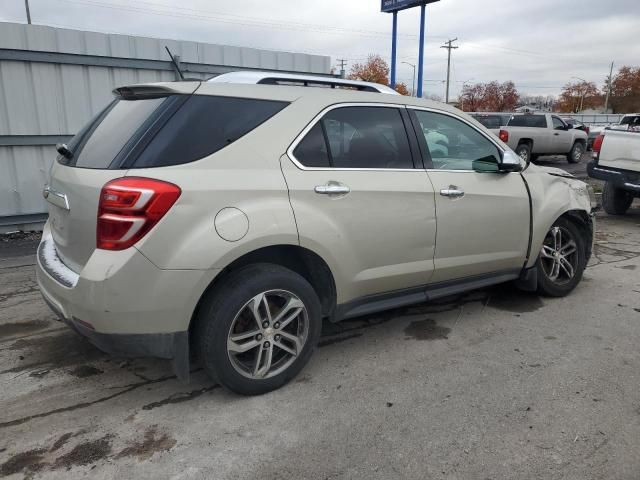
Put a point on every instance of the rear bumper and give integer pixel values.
(621, 179)
(121, 302)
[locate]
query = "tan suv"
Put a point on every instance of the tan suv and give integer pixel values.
(231, 219)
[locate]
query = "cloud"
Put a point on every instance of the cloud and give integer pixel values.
(539, 45)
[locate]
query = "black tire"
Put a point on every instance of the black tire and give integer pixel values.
(562, 285)
(524, 152)
(225, 303)
(575, 154)
(615, 201)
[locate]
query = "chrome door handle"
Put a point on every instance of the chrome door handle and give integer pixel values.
(332, 188)
(452, 191)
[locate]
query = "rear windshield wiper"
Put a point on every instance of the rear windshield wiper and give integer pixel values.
(63, 150)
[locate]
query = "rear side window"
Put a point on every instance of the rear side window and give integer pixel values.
(536, 121)
(204, 125)
(357, 137)
(312, 150)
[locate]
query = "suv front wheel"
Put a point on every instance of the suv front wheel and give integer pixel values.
(562, 259)
(258, 329)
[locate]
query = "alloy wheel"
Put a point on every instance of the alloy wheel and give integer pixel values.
(268, 334)
(559, 255)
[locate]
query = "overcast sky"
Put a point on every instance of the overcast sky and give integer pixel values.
(539, 44)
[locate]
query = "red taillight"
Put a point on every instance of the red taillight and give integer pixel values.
(129, 207)
(503, 136)
(597, 146)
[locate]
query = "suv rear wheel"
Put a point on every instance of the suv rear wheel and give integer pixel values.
(258, 329)
(615, 201)
(562, 259)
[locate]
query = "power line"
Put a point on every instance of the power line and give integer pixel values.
(239, 20)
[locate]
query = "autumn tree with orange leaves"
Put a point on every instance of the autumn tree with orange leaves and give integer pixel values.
(579, 96)
(489, 97)
(625, 90)
(375, 70)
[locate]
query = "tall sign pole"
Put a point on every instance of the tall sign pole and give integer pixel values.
(421, 50)
(394, 38)
(394, 6)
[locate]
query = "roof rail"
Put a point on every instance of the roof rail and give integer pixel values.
(291, 79)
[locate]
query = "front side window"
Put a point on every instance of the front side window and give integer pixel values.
(453, 144)
(357, 137)
(557, 123)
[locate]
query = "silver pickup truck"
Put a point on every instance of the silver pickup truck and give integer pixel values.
(616, 160)
(534, 135)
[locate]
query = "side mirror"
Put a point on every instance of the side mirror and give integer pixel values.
(510, 162)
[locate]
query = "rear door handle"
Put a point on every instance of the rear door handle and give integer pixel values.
(556, 134)
(452, 191)
(332, 188)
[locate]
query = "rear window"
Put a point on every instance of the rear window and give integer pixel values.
(490, 121)
(169, 130)
(537, 121)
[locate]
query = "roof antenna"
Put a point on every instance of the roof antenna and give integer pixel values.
(175, 64)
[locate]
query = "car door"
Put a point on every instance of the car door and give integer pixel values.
(360, 202)
(562, 136)
(482, 217)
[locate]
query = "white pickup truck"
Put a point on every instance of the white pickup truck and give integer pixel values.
(537, 134)
(616, 160)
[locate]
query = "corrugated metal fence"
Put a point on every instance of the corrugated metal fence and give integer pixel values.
(53, 80)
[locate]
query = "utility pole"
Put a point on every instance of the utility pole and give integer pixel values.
(449, 47)
(606, 100)
(342, 63)
(26, 6)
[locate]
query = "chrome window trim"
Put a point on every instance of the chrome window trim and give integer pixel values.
(319, 116)
(457, 117)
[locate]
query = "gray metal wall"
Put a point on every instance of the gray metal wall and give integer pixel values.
(53, 80)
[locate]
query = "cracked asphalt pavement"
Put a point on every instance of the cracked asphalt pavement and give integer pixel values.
(494, 384)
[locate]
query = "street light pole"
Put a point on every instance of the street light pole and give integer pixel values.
(413, 84)
(584, 90)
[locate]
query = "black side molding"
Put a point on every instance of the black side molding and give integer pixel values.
(424, 293)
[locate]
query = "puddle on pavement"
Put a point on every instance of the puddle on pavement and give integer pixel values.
(13, 329)
(84, 371)
(57, 350)
(627, 267)
(509, 299)
(427, 329)
(28, 462)
(86, 453)
(151, 444)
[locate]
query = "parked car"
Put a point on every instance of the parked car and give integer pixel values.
(492, 121)
(231, 219)
(533, 135)
(616, 160)
(630, 121)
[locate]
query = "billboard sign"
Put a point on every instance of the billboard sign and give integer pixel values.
(395, 5)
